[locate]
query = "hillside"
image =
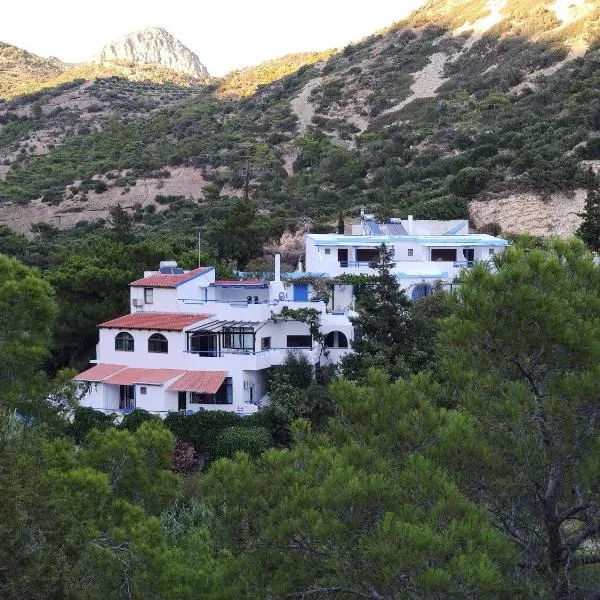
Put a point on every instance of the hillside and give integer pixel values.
(493, 105)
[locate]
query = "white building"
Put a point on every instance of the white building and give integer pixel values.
(421, 254)
(194, 343)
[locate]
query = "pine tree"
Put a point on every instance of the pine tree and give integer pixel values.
(340, 226)
(589, 230)
(383, 324)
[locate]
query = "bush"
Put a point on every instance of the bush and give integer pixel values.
(85, 420)
(468, 182)
(184, 458)
(251, 440)
(133, 420)
(444, 208)
(202, 428)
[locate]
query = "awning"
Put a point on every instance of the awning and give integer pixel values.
(99, 372)
(219, 326)
(202, 382)
(131, 375)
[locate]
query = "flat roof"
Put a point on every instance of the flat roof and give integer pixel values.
(472, 239)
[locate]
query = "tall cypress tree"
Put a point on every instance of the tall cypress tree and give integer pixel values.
(340, 226)
(383, 323)
(589, 230)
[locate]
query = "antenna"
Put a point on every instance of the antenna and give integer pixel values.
(199, 244)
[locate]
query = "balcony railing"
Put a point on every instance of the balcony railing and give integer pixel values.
(355, 264)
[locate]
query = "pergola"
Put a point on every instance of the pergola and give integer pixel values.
(213, 338)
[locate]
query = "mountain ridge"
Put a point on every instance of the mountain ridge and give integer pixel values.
(461, 103)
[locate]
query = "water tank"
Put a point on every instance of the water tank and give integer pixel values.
(168, 264)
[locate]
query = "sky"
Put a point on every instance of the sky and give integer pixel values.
(225, 34)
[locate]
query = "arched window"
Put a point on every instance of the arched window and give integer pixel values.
(124, 342)
(336, 339)
(157, 342)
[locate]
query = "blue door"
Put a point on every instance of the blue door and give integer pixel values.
(301, 292)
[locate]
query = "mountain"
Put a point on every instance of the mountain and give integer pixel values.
(488, 109)
(153, 46)
(22, 72)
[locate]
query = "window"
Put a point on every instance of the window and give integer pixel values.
(238, 338)
(492, 251)
(327, 250)
(143, 390)
(336, 339)
(204, 343)
(158, 343)
(265, 343)
(124, 342)
(223, 396)
(148, 295)
(443, 254)
(410, 252)
(299, 341)
(367, 254)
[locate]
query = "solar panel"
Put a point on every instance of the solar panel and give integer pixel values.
(373, 227)
(171, 271)
(396, 229)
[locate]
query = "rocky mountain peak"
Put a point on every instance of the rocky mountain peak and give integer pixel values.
(153, 46)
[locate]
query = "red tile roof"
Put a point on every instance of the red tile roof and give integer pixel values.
(154, 321)
(169, 281)
(99, 372)
(236, 282)
(203, 382)
(132, 375)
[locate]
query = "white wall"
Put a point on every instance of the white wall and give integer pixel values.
(163, 300)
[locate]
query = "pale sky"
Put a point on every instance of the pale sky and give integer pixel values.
(225, 34)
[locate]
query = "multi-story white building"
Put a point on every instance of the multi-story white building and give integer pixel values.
(423, 252)
(192, 342)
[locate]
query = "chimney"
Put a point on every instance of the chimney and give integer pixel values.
(278, 267)
(410, 224)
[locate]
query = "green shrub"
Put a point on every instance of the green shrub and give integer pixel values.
(443, 209)
(202, 428)
(133, 420)
(468, 181)
(251, 440)
(86, 419)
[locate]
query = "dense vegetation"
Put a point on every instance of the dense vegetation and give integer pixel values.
(472, 475)
(498, 123)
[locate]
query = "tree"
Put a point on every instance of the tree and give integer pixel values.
(468, 182)
(240, 236)
(589, 230)
(383, 324)
(340, 225)
(521, 355)
(122, 224)
(27, 313)
(345, 516)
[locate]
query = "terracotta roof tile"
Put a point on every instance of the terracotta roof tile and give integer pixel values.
(169, 281)
(99, 372)
(132, 375)
(154, 320)
(203, 382)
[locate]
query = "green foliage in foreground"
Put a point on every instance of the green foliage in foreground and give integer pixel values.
(474, 479)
